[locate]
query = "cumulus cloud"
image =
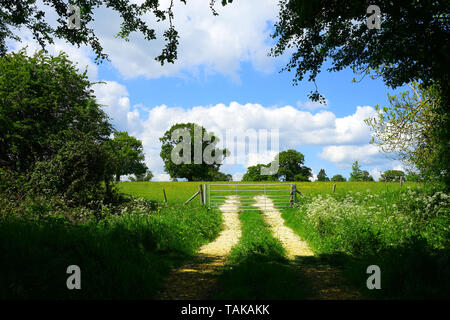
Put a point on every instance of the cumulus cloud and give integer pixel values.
(343, 139)
(347, 154)
(208, 44)
(81, 56)
(312, 105)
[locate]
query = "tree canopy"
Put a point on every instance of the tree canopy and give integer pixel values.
(43, 103)
(359, 175)
(415, 130)
(322, 176)
(199, 158)
(338, 178)
(52, 131)
(26, 13)
(392, 176)
(127, 155)
(254, 174)
(411, 45)
(147, 176)
(290, 168)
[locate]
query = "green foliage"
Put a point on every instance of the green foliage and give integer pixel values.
(406, 48)
(189, 169)
(356, 174)
(359, 175)
(25, 13)
(44, 102)
(413, 177)
(415, 127)
(290, 168)
(254, 174)
(53, 133)
(392, 176)
(338, 178)
(291, 165)
(76, 172)
(125, 255)
(322, 176)
(127, 155)
(406, 232)
(220, 176)
(142, 177)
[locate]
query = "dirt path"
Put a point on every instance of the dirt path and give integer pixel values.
(196, 279)
(327, 282)
(291, 242)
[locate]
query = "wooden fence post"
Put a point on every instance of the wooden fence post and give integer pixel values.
(294, 192)
(165, 198)
(334, 188)
(200, 190)
(204, 193)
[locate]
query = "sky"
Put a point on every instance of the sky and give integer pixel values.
(225, 81)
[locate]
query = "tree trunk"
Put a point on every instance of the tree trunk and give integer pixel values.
(117, 177)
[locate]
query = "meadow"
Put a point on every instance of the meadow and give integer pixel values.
(128, 251)
(402, 228)
(179, 192)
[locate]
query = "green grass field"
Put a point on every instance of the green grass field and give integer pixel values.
(177, 192)
(128, 254)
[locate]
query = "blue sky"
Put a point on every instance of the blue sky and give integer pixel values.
(224, 80)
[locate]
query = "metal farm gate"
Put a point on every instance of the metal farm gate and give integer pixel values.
(282, 195)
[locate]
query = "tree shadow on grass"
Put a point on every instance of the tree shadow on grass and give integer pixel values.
(256, 278)
(408, 272)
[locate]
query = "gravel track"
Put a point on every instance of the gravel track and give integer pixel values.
(294, 246)
(196, 279)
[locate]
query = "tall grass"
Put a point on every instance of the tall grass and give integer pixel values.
(121, 257)
(406, 232)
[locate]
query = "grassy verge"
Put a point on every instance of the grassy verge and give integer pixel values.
(121, 257)
(258, 268)
(405, 233)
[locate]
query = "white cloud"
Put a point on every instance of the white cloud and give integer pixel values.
(312, 105)
(208, 44)
(347, 154)
(344, 139)
(238, 176)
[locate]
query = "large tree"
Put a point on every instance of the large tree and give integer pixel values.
(322, 176)
(338, 178)
(254, 174)
(147, 176)
(44, 102)
(392, 176)
(356, 174)
(291, 166)
(127, 155)
(189, 151)
(52, 131)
